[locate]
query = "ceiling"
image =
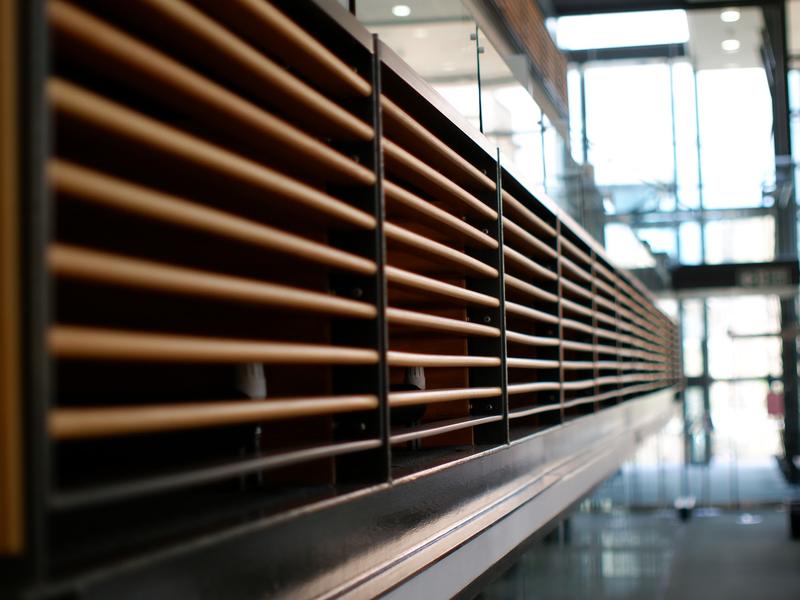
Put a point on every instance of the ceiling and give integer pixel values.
(707, 32)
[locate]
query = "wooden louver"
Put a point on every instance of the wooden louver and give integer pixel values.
(277, 267)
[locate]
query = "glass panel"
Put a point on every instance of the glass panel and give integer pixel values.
(625, 249)
(691, 251)
(692, 324)
(575, 113)
(740, 240)
(433, 37)
(660, 240)
(744, 431)
(736, 132)
(685, 135)
(511, 117)
(732, 348)
(622, 120)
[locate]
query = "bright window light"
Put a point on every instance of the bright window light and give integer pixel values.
(731, 45)
(401, 10)
(730, 15)
(618, 30)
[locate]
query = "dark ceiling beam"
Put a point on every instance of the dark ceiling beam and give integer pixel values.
(586, 7)
(627, 53)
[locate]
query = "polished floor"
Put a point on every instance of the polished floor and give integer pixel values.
(653, 555)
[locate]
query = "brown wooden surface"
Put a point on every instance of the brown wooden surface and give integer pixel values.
(410, 318)
(72, 262)
(269, 27)
(416, 359)
(87, 343)
(430, 248)
(182, 26)
(69, 423)
(118, 56)
(400, 161)
(75, 102)
(517, 211)
(401, 277)
(528, 289)
(400, 200)
(12, 513)
(399, 125)
(441, 395)
(111, 192)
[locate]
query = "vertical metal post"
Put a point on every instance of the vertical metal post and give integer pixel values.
(36, 228)
(595, 341)
(496, 432)
(373, 334)
(478, 51)
(560, 292)
(674, 159)
(785, 221)
(584, 131)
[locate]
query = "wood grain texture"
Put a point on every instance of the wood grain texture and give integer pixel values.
(88, 343)
(71, 423)
(12, 513)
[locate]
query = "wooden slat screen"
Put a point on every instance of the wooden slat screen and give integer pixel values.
(277, 268)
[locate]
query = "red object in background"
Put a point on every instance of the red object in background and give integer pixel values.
(775, 404)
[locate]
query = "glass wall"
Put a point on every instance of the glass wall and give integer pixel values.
(681, 141)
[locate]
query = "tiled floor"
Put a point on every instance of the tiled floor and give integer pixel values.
(653, 555)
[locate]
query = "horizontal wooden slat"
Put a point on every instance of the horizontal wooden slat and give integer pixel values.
(513, 233)
(515, 283)
(513, 206)
(577, 326)
(443, 395)
(74, 342)
(294, 45)
(580, 346)
(576, 289)
(531, 363)
(122, 57)
(414, 281)
(517, 259)
(519, 310)
(535, 386)
(433, 182)
(118, 194)
(576, 308)
(430, 248)
(78, 103)
(396, 118)
(415, 359)
(71, 262)
(440, 427)
(229, 57)
(534, 410)
(530, 340)
(575, 269)
(579, 385)
(70, 423)
(411, 203)
(576, 252)
(410, 318)
(573, 365)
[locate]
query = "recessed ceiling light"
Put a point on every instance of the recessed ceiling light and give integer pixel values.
(730, 15)
(401, 10)
(731, 45)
